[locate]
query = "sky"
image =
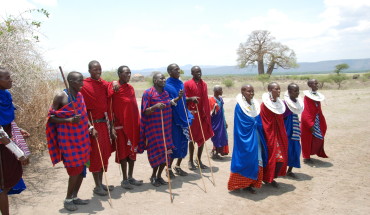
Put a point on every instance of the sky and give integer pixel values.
(153, 34)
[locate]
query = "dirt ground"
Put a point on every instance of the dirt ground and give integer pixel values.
(336, 185)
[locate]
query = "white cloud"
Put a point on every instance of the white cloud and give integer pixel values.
(199, 8)
(14, 7)
(50, 3)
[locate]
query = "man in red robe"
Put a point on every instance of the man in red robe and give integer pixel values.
(272, 110)
(198, 104)
(95, 93)
(126, 122)
(313, 125)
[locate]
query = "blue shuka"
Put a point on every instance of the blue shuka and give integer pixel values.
(248, 137)
(180, 129)
(293, 132)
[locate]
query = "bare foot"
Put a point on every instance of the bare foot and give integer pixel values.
(250, 189)
(274, 184)
(292, 175)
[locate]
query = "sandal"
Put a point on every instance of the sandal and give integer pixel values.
(291, 174)
(126, 185)
(100, 191)
(250, 189)
(202, 166)
(191, 165)
(135, 182)
(155, 182)
(161, 181)
(275, 184)
(70, 206)
(79, 201)
(172, 176)
(111, 187)
(180, 172)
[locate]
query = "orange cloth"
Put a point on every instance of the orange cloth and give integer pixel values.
(237, 181)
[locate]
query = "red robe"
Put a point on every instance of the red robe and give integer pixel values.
(274, 129)
(308, 120)
(199, 89)
(95, 93)
(124, 107)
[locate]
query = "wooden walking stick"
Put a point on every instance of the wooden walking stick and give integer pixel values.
(209, 161)
(102, 163)
(192, 140)
(68, 91)
(115, 140)
(165, 148)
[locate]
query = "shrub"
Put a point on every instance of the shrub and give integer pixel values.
(34, 83)
(228, 83)
(263, 79)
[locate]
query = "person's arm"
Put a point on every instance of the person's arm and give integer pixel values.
(4, 139)
(59, 101)
(192, 99)
(175, 100)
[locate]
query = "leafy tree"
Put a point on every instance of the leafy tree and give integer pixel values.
(261, 48)
(340, 67)
(338, 79)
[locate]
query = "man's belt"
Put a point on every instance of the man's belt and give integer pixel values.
(99, 120)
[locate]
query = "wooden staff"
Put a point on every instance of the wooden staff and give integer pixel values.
(165, 148)
(68, 91)
(115, 140)
(102, 163)
(192, 140)
(209, 161)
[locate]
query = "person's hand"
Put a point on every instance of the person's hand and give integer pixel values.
(113, 134)
(24, 133)
(159, 106)
(94, 132)
(3, 139)
(76, 119)
(181, 93)
(194, 99)
(116, 86)
(24, 161)
(227, 125)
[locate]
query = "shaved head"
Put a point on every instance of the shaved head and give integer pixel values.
(217, 88)
(292, 86)
(73, 76)
(271, 85)
(245, 86)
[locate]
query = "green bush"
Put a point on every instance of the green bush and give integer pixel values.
(228, 83)
(263, 79)
(322, 79)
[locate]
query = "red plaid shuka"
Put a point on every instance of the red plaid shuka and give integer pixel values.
(69, 142)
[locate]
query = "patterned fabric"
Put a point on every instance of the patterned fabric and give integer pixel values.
(126, 120)
(19, 140)
(69, 142)
(220, 139)
(72, 171)
(277, 143)
(237, 181)
(180, 129)
(316, 128)
(151, 136)
(199, 89)
(312, 116)
(95, 94)
(293, 133)
(6, 107)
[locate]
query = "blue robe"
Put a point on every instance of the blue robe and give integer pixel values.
(294, 146)
(219, 125)
(180, 129)
(248, 133)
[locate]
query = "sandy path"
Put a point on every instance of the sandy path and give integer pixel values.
(337, 185)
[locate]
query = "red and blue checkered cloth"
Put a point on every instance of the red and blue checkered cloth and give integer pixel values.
(151, 136)
(69, 142)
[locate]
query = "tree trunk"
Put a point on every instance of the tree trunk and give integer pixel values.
(270, 68)
(261, 68)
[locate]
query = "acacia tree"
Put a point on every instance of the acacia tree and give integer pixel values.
(262, 49)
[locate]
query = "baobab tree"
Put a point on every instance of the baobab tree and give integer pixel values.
(262, 49)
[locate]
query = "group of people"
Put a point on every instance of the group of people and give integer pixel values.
(268, 137)
(92, 118)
